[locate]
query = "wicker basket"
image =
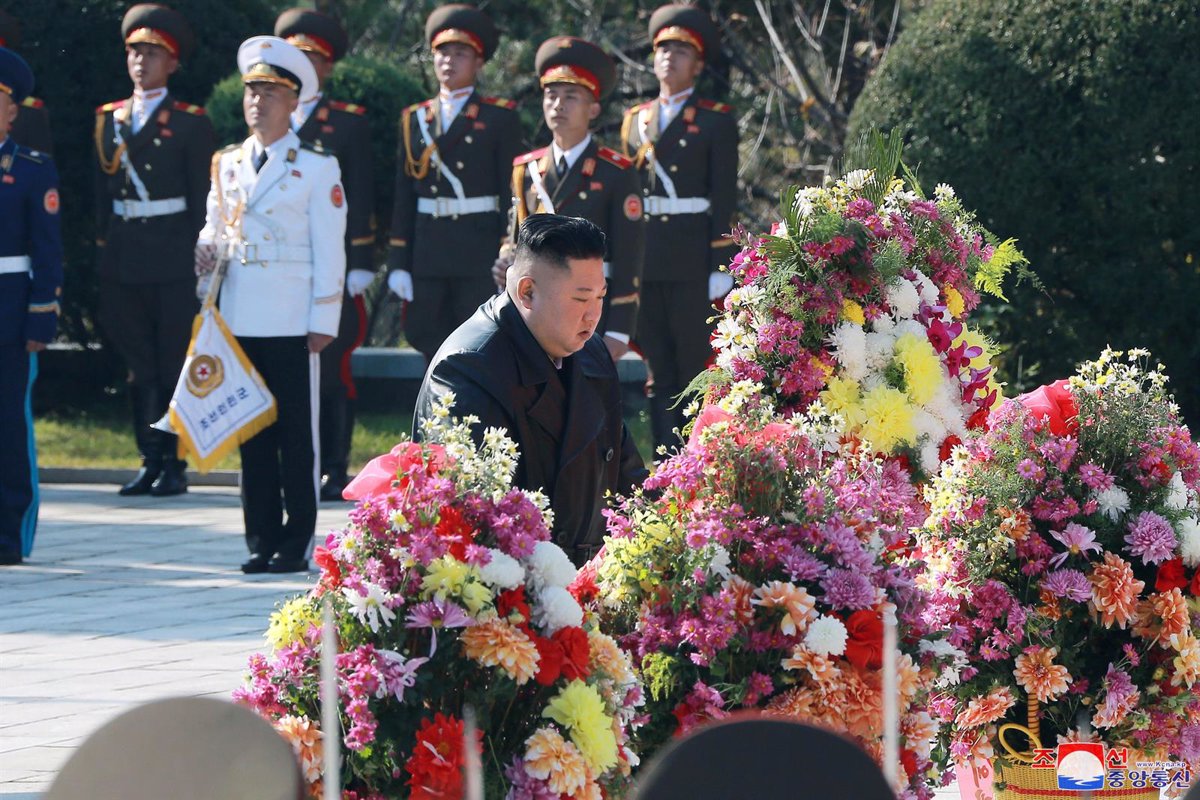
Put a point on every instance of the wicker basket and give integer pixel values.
(1023, 782)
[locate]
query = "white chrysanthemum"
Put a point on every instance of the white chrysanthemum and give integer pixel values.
(370, 609)
(928, 292)
(849, 343)
(880, 346)
(805, 200)
(883, 324)
(903, 298)
(719, 565)
(910, 327)
(556, 609)
(1188, 530)
(549, 566)
(1177, 494)
(1113, 502)
(503, 571)
(930, 456)
(855, 180)
(826, 636)
(943, 191)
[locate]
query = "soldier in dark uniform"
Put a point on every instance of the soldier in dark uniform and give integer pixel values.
(31, 129)
(685, 149)
(153, 155)
(341, 129)
(452, 189)
(577, 177)
(30, 285)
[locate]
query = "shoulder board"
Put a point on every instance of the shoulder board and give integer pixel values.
(227, 149)
(189, 108)
(640, 107)
(502, 102)
(316, 148)
(532, 156)
(613, 157)
(36, 156)
(33, 102)
(349, 108)
(710, 105)
(107, 107)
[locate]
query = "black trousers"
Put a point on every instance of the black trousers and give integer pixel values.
(278, 465)
(337, 388)
(18, 465)
(150, 324)
(440, 305)
(673, 335)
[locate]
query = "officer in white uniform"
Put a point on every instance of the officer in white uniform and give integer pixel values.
(277, 211)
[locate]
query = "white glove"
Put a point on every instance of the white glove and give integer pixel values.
(357, 281)
(400, 282)
(719, 284)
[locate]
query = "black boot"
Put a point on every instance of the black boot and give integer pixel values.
(147, 443)
(173, 478)
(337, 426)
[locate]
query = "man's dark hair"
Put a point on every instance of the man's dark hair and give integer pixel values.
(553, 238)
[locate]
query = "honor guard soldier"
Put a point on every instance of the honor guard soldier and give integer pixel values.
(452, 198)
(31, 129)
(342, 130)
(277, 212)
(685, 149)
(153, 153)
(577, 177)
(30, 285)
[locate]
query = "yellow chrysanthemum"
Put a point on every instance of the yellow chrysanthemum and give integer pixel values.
(553, 759)
(448, 578)
(923, 371)
(496, 643)
(889, 419)
(291, 622)
(853, 312)
(578, 708)
(842, 396)
(954, 301)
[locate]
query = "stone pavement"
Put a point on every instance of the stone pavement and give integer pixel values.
(125, 600)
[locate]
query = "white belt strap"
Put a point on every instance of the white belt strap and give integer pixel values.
(130, 172)
(15, 264)
(539, 186)
(264, 253)
(666, 206)
(450, 177)
(450, 207)
(137, 209)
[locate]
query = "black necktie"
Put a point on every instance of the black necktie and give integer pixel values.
(560, 168)
(259, 160)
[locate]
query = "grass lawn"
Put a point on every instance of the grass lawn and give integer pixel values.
(101, 438)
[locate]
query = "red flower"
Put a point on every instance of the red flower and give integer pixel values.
(391, 470)
(948, 445)
(576, 652)
(550, 660)
(1196, 583)
(512, 602)
(454, 528)
(1055, 405)
(332, 573)
(864, 640)
(908, 760)
(584, 588)
(436, 766)
(1171, 576)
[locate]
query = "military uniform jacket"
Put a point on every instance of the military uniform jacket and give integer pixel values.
(603, 188)
(283, 230)
(478, 149)
(343, 130)
(569, 431)
(30, 245)
(697, 152)
(31, 128)
(170, 156)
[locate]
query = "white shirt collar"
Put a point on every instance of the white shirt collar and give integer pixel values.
(304, 110)
(678, 98)
(452, 103)
(572, 154)
(669, 106)
(145, 104)
(281, 145)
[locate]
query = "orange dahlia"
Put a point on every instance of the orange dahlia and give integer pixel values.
(609, 658)
(1114, 591)
(1187, 662)
(863, 706)
(989, 708)
(797, 603)
(551, 758)
(743, 594)
(496, 643)
(1161, 616)
(821, 668)
(1016, 525)
(1038, 675)
(306, 741)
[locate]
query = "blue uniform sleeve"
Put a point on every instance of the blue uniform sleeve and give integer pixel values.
(45, 253)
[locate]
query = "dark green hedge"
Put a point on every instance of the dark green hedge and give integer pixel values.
(1072, 126)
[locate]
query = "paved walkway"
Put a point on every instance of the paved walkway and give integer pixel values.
(125, 600)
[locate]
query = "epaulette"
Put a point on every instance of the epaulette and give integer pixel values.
(641, 107)
(312, 147)
(230, 148)
(533, 156)
(502, 102)
(36, 156)
(710, 105)
(613, 157)
(33, 102)
(190, 108)
(349, 108)
(107, 107)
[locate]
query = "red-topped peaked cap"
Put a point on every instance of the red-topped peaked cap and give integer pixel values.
(312, 32)
(463, 24)
(152, 23)
(569, 59)
(687, 24)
